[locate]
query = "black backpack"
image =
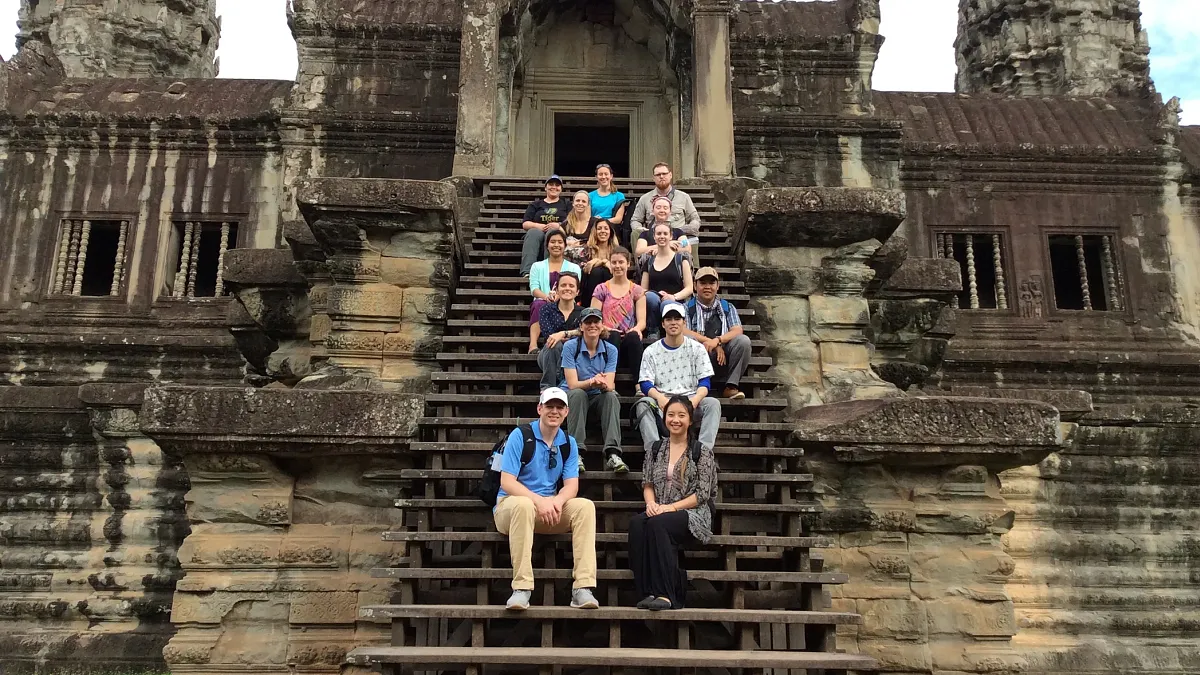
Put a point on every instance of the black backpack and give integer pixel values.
(489, 487)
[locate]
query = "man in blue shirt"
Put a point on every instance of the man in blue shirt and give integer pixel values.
(530, 501)
(590, 366)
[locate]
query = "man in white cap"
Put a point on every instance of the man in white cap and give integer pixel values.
(531, 500)
(676, 365)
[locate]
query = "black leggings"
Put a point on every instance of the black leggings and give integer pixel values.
(654, 550)
(629, 353)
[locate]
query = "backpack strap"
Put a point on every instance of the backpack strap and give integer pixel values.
(529, 446)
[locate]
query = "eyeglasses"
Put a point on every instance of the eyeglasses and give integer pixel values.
(662, 175)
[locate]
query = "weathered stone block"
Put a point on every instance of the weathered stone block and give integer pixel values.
(829, 217)
(970, 617)
(899, 619)
(323, 608)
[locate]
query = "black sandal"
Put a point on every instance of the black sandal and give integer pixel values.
(658, 605)
(644, 603)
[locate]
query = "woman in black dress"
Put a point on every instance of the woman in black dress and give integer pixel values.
(679, 483)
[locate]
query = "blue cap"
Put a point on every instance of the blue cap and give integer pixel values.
(554, 179)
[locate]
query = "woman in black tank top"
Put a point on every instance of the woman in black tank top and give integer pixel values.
(667, 277)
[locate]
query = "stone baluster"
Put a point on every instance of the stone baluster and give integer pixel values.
(185, 253)
(1112, 289)
(60, 265)
(972, 284)
(193, 263)
(950, 246)
(220, 288)
(998, 264)
(81, 262)
(1083, 277)
(72, 257)
(119, 260)
(940, 246)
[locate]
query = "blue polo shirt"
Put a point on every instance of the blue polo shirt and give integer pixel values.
(588, 366)
(537, 475)
(605, 207)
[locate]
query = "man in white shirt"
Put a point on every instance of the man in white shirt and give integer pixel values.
(676, 365)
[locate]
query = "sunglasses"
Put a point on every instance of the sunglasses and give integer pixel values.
(553, 464)
(603, 166)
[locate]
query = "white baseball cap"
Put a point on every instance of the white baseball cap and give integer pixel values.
(674, 308)
(553, 394)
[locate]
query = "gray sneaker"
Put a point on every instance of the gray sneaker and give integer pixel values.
(582, 598)
(615, 463)
(519, 601)
(581, 469)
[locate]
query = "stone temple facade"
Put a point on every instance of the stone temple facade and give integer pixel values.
(239, 318)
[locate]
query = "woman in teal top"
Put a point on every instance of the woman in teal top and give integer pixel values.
(607, 203)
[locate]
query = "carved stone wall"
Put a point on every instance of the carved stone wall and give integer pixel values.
(92, 515)
(802, 95)
(376, 92)
(125, 38)
(1039, 48)
(1105, 547)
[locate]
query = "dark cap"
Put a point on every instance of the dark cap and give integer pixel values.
(554, 179)
(590, 313)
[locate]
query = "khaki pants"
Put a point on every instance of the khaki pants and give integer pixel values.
(517, 518)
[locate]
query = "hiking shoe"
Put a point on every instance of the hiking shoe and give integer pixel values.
(581, 469)
(615, 463)
(518, 601)
(659, 604)
(733, 393)
(644, 603)
(582, 598)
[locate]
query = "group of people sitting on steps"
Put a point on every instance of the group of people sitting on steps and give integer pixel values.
(587, 319)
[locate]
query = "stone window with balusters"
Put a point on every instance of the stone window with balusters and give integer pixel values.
(90, 259)
(200, 247)
(1086, 272)
(983, 261)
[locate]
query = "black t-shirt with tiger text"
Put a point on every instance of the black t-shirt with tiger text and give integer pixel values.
(542, 212)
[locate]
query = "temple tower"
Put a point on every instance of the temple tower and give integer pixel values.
(1048, 47)
(125, 38)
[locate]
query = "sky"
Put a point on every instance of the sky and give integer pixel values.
(918, 54)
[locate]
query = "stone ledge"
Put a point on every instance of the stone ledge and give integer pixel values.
(925, 276)
(926, 431)
(822, 217)
(300, 422)
(261, 267)
(1071, 404)
(375, 194)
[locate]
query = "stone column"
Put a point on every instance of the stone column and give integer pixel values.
(478, 80)
(806, 257)
(389, 248)
(713, 99)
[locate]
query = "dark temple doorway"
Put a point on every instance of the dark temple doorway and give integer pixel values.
(584, 140)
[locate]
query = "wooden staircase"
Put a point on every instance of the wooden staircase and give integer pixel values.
(758, 603)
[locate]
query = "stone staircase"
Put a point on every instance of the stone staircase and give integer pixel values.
(759, 601)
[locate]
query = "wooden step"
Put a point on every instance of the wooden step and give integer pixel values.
(523, 308)
(614, 657)
(724, 476)
(706, 257)
(627, 450)
(519, 341)
(779, 616)
(520, 282)
(473, 504)
(510, 423)
(522, 325)
(717, 576)
(717, 540)
(503, 294)
(511, 269)
(532, 399)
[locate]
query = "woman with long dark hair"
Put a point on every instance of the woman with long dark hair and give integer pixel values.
(679, 483)
(595, 269)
